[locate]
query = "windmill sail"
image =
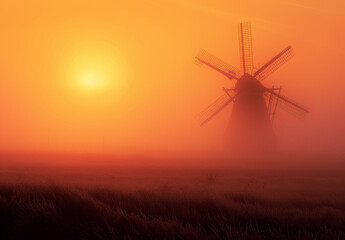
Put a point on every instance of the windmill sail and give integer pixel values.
(215, 108)
(289, 105)
(274, 63)
(246, 49)
(217, 64)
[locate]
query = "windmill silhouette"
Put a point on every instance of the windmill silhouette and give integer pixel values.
(254, 104)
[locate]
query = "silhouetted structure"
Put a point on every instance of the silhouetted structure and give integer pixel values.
(254, 104)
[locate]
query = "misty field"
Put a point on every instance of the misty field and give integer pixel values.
(40, 201)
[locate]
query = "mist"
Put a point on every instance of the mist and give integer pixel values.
(150, 108)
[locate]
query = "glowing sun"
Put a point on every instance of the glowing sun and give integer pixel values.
(93, 81)
(95, 66)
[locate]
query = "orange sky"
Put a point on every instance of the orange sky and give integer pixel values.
(119, 76)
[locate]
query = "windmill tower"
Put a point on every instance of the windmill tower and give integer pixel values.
(254, 105)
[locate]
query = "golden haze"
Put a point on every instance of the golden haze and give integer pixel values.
(119, 76)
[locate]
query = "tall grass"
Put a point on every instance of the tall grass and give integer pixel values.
(59, 212)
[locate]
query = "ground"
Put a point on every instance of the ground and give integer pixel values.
(162, 201)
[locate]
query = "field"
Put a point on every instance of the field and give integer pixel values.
(102, 200)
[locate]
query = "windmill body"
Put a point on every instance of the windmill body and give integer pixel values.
(250, 125)
(254, 104)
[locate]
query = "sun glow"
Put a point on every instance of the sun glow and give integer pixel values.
(93, 81)
(95, 67)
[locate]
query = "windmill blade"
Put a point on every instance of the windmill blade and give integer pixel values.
(289, 105)
(217, 64)
(215, 108)
(274, 63)
(246, 49)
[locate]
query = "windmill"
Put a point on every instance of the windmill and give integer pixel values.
(254, 104)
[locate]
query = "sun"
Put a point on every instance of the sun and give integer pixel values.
(93, 81)
(95, 67)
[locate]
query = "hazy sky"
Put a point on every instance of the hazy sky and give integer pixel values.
(119, 76)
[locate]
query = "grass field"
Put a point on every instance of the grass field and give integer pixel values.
(40, 201)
